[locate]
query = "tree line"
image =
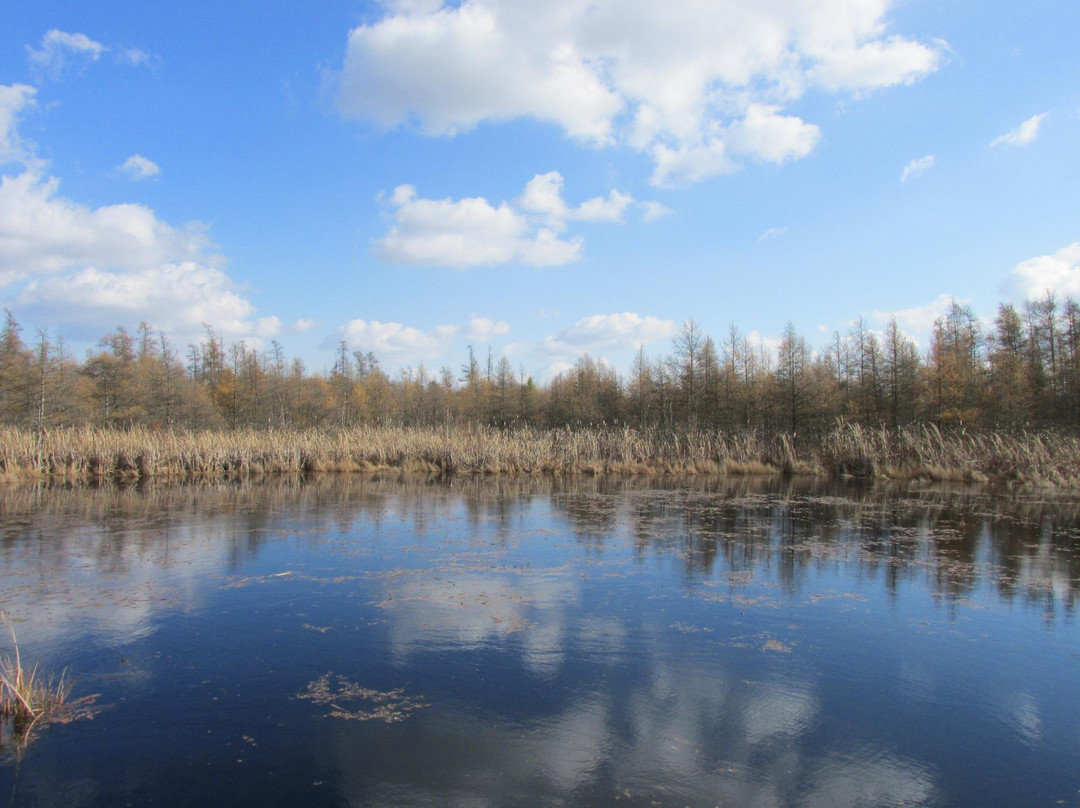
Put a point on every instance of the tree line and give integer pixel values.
(1019, 371)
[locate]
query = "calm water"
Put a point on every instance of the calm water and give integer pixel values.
(538, 642)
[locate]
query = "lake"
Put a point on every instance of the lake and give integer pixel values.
(349, 641)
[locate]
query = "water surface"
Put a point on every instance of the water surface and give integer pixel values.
(354, 642)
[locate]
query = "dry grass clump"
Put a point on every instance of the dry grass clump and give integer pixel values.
(27, 698)
(846, 449)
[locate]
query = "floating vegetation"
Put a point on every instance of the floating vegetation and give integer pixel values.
(679, 626)
(390, 706)
(776, 646)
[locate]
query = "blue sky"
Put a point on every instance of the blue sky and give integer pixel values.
(541, 179)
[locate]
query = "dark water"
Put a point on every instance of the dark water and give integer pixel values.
(544, 642)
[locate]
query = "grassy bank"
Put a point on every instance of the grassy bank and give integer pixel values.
(89, 455)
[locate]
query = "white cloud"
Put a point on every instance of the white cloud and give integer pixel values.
(558, 367)
(133, 56)
(876, 64)
(691, 163)
(449, 69)
(482, 329)
(58, 46)
(762, 133)
(401, 343)
(394, 340)
(139, 168)
(1022, 135)
(467, 232)
(95, 267)
(177, 298)
(768, 135)
(474, 232)
(917, 167)
(918, 321)
(772, 232)
(1058, 274)
(43, 232)
(692, 84)
(651, 211)
(610, 331)
(769, 345)
(266, 327)
(543, 196)
(14, 99)
(603, 209)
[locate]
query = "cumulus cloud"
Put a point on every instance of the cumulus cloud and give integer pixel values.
(57, 47)
(878, 63)
(402, 343)
(474, 232)
(175, 298)
(691, 163)
(1022, 135)
(769, 346)
(468, 232)
(482, 329)
(697, 86)
(138, 167)
(1057, 274)
(65, 262)
(451, 68)
(394, 340)
(272, 326)
(44, 232)
(627, 330)
(765, 133)
(651, 211)
(771, 233)
(918, 321)
(917, 167)
(543, 196)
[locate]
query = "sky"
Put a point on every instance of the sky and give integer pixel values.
(536, 180)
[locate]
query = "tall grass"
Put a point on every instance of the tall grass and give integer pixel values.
(846, 449)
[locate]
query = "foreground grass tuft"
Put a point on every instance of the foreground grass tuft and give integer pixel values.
(27, 698)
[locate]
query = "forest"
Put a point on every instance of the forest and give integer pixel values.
(1020, 371)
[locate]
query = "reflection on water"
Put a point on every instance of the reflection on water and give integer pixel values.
(572, 641)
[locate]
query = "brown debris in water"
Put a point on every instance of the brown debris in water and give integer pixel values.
(390, 706)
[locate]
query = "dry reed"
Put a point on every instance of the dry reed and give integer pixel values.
(847, 449)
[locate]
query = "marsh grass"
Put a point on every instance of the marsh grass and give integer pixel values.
(845, 449)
